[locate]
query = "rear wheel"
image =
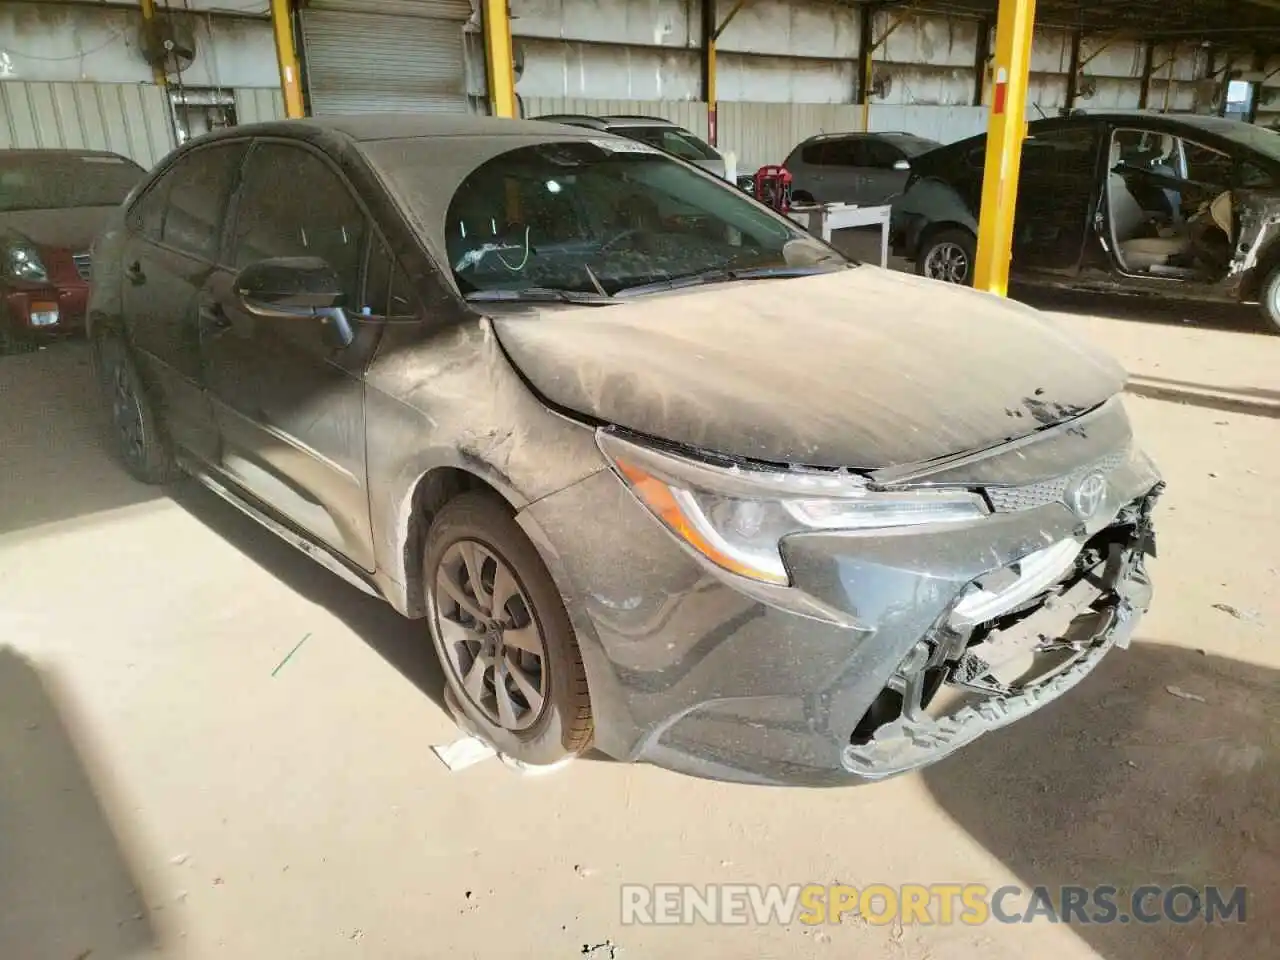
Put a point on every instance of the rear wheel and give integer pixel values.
(503, 635)
(1269, 300)
(134, 431)
(948, 255)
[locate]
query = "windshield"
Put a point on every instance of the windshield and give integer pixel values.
(678, 142)
(51, 181)
(601, 216)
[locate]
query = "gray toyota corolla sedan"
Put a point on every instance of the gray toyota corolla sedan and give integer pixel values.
(659, 472)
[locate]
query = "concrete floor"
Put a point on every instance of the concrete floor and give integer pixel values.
(165, 790)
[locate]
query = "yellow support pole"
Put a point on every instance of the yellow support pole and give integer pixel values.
(713, 113)
(496, 18)
(287, 58)
(1005, 133)
(148, 15)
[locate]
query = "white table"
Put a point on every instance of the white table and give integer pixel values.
(821, 219)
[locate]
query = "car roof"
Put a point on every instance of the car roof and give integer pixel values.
(608, 121)
(859, 135)
(401, 126)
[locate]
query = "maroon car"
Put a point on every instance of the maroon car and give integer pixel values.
(52, 205)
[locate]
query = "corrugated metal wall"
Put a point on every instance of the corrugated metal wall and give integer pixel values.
(127, 118)
(130, 119)
(256, 105)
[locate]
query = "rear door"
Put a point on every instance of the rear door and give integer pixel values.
(174, 230)
(847, 171)
(290, 404)
(1058, 192)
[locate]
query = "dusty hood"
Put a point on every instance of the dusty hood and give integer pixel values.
(71, 229)
(861, 368)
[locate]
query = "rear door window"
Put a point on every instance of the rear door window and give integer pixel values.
(1069, 151)
(196, 199)
(846, 153)
(814, 154)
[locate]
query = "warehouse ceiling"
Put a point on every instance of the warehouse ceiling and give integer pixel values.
(1144, 19)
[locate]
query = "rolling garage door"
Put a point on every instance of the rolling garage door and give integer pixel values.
(384, 56)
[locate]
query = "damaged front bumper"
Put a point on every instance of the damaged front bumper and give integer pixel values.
(1054, 646)
(892, 649)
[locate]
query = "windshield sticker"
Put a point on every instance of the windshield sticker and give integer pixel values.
(116, 160)
(624, 146)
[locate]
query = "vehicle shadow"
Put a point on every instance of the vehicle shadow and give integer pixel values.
(66, 889)
(1258, 401)
(53, 459)
(403, 643)
(1218, 316)
(1162, 768)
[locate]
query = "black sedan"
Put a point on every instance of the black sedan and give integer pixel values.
(659, 472)
(1185, 207)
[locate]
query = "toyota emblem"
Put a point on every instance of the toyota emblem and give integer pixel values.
(1088, 495)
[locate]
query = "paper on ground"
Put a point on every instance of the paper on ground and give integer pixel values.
(464, 752)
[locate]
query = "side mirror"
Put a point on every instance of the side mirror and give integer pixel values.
(902, 165)
(295, 288)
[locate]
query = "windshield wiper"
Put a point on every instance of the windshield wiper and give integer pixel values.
(538, 295)
(729, 275)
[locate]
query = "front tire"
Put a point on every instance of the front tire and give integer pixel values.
(948, 255)
(1269, 300)
(502, 633)
(135, 433)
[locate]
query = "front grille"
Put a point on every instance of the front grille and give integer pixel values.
(84, 265)
(1032, 495)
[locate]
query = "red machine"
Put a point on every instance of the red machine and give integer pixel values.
(773, 187)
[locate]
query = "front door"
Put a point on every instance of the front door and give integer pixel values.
(173, 237)
(1057, 195)
(289, 403)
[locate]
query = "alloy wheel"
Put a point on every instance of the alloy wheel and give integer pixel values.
(948, 262)
(490, 636)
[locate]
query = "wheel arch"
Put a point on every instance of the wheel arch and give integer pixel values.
(937, 227)
(427, 495)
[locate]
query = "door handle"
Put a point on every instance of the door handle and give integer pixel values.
(135, 274)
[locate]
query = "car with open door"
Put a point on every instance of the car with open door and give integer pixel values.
(586, 412)
(1175, 207)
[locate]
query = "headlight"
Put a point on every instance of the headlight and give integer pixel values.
(23, 262)
(737, 516)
